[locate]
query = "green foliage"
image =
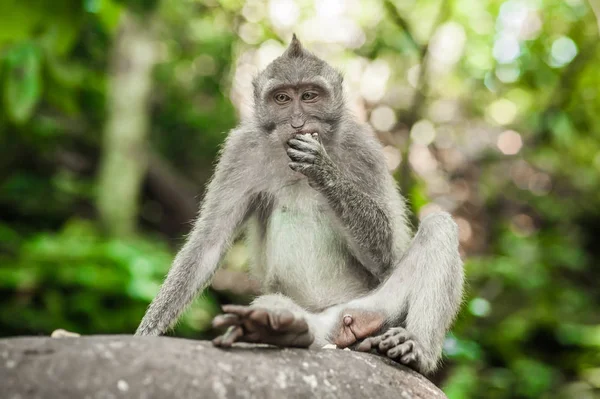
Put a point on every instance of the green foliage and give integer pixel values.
(78, 279)
(22, 81)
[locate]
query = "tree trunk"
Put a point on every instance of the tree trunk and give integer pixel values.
(124, 162)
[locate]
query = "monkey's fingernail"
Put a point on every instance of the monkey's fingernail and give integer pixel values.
(347, 319)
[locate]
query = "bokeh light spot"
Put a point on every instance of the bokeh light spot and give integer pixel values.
(563, 51)
(480, 307)
(283, 13)
(423, 132)
(383, 118)
(506, 49)
(509, 142)
(502, 111)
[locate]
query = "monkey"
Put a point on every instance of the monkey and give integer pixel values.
(326, 227)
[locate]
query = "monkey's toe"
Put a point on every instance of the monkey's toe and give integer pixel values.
(410, 359)
(393, 338)
(284, 319)
(226, 320)
(232, 334)
(401, 349)
(239, 310)
(397, 344)
(369, 343)
(400, 345)
(259, 325)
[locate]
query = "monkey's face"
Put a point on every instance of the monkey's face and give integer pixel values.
(298, 93)
(300, 108)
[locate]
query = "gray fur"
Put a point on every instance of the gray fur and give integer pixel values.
(327, 230)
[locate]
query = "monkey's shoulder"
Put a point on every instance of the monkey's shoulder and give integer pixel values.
(360, 147)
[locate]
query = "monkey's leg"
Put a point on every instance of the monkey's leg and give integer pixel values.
(424, 290)
(272, 319)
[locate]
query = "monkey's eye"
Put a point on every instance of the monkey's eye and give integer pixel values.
(309, 96)
(281, 98)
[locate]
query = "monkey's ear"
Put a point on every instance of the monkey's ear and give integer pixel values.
(295, 49)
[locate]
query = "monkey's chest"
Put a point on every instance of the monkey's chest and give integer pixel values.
(307, 258)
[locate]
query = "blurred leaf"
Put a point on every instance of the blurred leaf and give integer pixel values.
(19, 18)
(109, 13)
(534, 377)
(64, 73)
(461, 383)
(22, 82)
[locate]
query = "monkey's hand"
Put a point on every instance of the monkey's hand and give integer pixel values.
(265, 326)
(308, 156)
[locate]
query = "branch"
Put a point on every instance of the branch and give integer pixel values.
(403, 24)
(422, 86)
(595, 5)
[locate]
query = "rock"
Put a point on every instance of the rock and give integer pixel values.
(122, 366)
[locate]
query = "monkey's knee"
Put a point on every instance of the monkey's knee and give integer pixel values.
(439, 222)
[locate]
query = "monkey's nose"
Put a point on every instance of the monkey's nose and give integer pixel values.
(297, 123)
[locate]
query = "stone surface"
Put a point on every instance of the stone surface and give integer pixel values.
(161, 367)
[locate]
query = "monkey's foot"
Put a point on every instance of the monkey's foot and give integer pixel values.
(259, 325)
(398, 344)
(356, 325)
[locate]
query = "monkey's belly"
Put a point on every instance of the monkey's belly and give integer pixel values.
(308, 260)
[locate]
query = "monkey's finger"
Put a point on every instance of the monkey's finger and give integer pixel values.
(299, 167)
(307, 138)
(299, 156)
(242, 311)
(226, 320)
(311, 147)
(233, 334)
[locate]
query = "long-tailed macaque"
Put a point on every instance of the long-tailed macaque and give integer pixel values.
(326, 226)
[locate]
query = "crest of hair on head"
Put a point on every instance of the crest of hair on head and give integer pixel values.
(295, 49)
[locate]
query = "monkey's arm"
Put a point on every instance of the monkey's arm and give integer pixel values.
(367, 221)
(225, 205)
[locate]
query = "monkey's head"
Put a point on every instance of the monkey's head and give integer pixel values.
(298, 93)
